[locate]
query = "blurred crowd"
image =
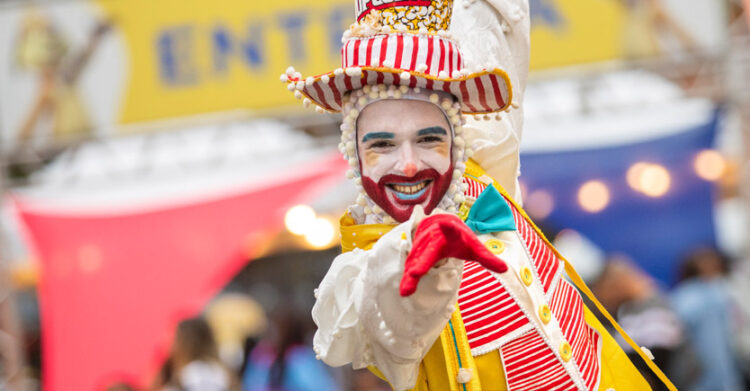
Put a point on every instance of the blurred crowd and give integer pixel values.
(698, 332)
(273, 355)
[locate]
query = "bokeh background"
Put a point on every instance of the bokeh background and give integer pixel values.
(166, 201)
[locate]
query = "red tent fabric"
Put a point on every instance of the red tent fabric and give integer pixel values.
(113, 286)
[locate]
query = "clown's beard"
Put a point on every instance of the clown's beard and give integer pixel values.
(401, 205)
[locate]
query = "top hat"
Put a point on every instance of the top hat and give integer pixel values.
(404, 43)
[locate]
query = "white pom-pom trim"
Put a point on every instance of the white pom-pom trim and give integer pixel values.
(647, 352)
(464, 375)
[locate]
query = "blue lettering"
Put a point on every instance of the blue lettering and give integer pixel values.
(175, 50)
(546, 12)
(225, 45)
(252, 47)
(221, 48)
(293, 25)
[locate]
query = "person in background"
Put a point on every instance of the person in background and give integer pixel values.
(284, 360)
(194, 363)
(703, 302)
(237, 321)
(644, 312)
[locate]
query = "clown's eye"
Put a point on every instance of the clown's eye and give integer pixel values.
(381, 144)
(430, 139)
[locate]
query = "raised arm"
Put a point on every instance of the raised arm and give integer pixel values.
(495, 33)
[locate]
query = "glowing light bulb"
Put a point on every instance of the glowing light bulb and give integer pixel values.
(540, 204)
(593, 196)
(650, 179)
(709, 165)
(299, 219)
(654, 180)
(634, 174)
(321, 233)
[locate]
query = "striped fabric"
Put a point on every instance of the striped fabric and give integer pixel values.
(567, 307)
(487, 309)
(545, 262)
(478, 93)
(530, 365)
(403, 51)
(490, 313)
(400, 59)
(475, 187)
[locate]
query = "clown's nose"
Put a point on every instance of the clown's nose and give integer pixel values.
(410, 169)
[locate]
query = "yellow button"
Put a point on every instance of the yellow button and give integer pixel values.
(565, 351)
(495, 246)
(463, 211)
(526, 276)
(545, 314)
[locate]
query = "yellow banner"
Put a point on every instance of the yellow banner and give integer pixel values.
(188, 57)
(567, 32)
(192, 56)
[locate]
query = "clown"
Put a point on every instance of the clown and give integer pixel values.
(444, 283)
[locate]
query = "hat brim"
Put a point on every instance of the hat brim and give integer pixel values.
(483, 92)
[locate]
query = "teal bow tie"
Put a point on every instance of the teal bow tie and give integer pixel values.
(490, 213)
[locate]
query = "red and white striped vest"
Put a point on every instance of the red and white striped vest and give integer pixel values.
(494, 320)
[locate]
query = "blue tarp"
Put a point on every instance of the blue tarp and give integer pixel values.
(655, 232)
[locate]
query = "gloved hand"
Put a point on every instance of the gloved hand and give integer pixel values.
(442, 236)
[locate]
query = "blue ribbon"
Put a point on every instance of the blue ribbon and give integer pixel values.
(490, 213)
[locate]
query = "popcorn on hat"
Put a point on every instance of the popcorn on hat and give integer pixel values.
(403, 43)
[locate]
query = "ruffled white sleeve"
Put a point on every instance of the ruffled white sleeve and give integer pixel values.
(495, 33)
(363, 320)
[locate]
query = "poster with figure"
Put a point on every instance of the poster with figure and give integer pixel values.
(57, 68)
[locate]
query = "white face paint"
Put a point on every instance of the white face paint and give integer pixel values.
(404, 149)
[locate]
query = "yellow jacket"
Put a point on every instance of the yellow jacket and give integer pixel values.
(450, 365)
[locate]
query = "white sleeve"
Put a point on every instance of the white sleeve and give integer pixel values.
(496, 150)
(363, 320)
(495, 33)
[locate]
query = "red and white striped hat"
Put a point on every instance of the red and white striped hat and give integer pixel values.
(404, 43)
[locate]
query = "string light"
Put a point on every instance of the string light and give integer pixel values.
(650, 179)
(655, 180)
(321, 233)
(540, 204)
(633, 176)
(299, 219)
(593, 196)
(709, 165)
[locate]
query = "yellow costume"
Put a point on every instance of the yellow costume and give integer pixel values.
(440, 368)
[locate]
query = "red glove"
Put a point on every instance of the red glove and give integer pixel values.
(442, 236)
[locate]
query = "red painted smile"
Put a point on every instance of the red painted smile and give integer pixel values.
(398, 194)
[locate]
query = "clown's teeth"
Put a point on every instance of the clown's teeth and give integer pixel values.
(410, 189)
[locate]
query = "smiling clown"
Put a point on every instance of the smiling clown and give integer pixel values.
(444, 282)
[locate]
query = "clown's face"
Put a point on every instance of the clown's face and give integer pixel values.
(404, 149)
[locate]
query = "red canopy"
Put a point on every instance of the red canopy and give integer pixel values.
(113, 286)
